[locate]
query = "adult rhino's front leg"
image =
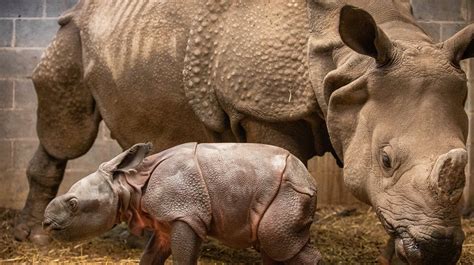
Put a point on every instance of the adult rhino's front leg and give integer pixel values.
(67, 126)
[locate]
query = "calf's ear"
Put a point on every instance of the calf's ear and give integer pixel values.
(359, 32)
(129, 159)
(461, 45)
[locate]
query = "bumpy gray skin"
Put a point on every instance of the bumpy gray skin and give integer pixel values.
(295, 74)
(233, 192)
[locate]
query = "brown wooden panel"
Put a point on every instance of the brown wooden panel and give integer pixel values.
(331, 189)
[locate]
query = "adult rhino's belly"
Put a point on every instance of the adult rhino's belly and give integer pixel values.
(140, 105)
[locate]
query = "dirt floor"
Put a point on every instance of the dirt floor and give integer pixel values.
(343, 235)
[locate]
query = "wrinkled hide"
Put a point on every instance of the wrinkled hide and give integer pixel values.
(232, 192)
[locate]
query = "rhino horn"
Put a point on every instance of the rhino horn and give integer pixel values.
(447, 177)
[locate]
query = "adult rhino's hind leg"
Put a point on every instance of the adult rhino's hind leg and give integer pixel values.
(67, 126)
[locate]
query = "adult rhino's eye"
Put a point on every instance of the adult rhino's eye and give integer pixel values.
(386, 161)
(72, 204)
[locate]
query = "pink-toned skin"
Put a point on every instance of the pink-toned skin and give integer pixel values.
(244, 195)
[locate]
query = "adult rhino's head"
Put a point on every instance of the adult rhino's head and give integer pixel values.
(91, 206)
(395, 115)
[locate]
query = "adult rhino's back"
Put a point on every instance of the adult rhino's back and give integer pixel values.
(128, 34)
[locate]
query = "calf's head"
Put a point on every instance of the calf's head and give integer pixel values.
(91, 206)
(395, 114)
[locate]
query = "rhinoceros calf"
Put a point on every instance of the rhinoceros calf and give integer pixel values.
(241, 194)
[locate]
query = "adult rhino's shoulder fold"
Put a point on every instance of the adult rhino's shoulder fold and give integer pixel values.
(198, 65)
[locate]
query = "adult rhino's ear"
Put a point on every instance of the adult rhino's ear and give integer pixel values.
(129, 159)
(359, 32)
(461, 45)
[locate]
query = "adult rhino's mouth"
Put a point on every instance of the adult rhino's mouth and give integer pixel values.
(405, 245)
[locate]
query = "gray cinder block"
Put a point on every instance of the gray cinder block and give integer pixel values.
(21, 8)
(35, 32)
(6, 94)
(25, 95)
(55, 8)
(18, 63)
(440, 10)
(6, 32)
(6, 155)
(17, 124)
(23, 151)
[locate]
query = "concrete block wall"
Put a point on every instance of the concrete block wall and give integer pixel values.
(26, 28)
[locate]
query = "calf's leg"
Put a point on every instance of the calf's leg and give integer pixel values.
(307, 255)
(157, 250)
(185, 244)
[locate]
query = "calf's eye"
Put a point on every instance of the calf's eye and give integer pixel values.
(72, 204)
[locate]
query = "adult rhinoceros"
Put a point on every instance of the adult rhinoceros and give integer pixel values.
(365, 83)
